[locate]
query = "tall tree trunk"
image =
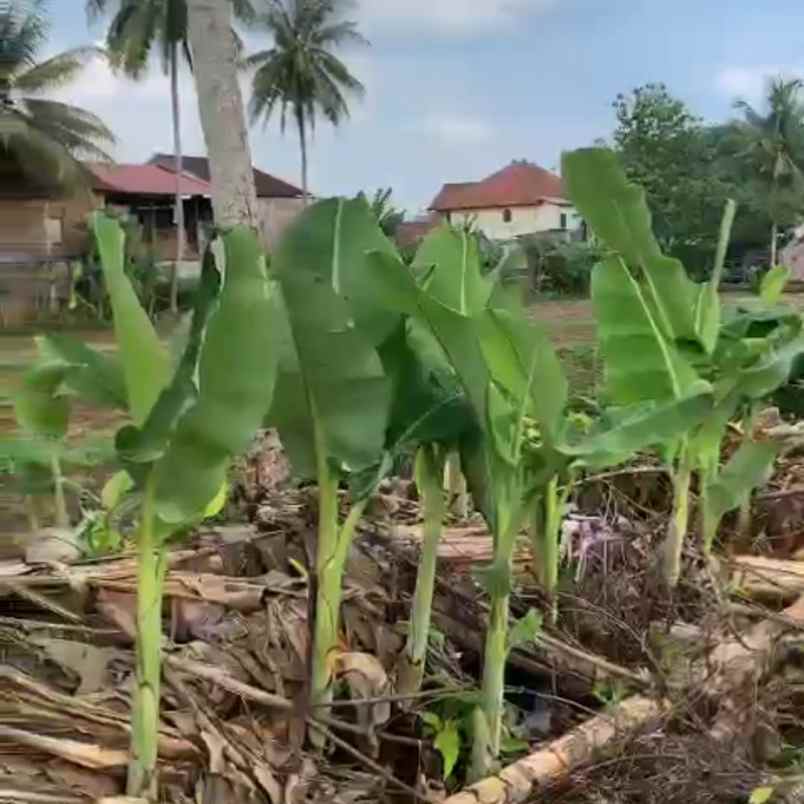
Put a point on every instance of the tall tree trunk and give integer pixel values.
(303, 146)
(774, 238)
(220, 103)
(177, 151)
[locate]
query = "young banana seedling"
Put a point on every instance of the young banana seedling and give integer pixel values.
(185, 424)
(510, 375)
(663, 336)
(333, 397)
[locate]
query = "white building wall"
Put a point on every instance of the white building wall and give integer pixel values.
(524, 220)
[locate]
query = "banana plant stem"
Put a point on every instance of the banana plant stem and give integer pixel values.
(429, 468)
(142, 771)
(59, 500)
(679, 521)
(334, 542)
(709, 522)
(744, 519)
(487, 739)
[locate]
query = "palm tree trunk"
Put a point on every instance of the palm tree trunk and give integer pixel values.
(220, 103)
(177, 150)
(774, 237)
(303, 145)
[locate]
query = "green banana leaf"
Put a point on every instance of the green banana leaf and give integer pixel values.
(773, 284)
(40, 405)
(449, 261)
(751, 466)
(614, 208)
(522, 360)
(618, 214)
(641, 427)
(95, 377)
(146, 363)
(148, 443)
(236, 375)
(641, 362)
(328, 244)
(771, 371)
(333, 398)
(429, 405)
(457, 334)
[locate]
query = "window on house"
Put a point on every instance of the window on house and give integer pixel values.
(507, 216)
(562, 221)
(449, 217)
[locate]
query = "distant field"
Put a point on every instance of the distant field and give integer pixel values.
(570, 323)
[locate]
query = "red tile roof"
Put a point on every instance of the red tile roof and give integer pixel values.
(144, 180)
(267, 186)
(409, 233)
(518, 184)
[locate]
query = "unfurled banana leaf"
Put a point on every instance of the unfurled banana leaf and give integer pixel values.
(773, 284)
(448, 261)
(771, 371)
(641, 362)
(40, 405)
(617, 213)
(328, 246)
(95, 377)
(614, 208)
(749, 467)
(332, 394)
(236, 374)
(638, 428)
(332, 404)
(429, 405)
(145, 361)
(148, 443)
(523, 361)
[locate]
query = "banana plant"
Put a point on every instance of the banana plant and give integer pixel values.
(185, 423)
(42, 409)
(664, 336)
(758, 343)
(333, 398)
(510, 374)
(430, 414)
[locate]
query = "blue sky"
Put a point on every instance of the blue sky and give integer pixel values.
(458, 88)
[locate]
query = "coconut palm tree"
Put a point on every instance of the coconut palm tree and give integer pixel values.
(301, 74)
(45, 138)
(771, 146)
(136, 30)
(220, 106)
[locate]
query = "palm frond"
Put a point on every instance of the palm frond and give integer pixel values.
(81, 131)
(131, 36)
(340, 33)
(43, 159)
(300, 71)
(96, 8)
(56, 71)
(23, 32)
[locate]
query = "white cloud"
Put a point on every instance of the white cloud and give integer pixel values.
(448, 16)
(750, 83)
(456, 130)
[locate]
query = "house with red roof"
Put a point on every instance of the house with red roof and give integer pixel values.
(521, 199)
(43, 228)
